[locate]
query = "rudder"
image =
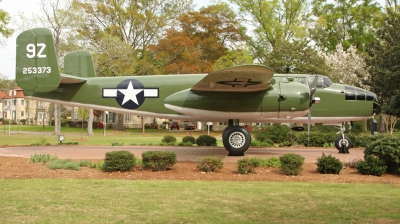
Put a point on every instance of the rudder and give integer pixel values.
(36, 61)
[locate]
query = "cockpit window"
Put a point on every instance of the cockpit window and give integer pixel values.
(323, 81)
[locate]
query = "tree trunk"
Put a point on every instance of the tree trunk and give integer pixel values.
(119, 123)
(90, 123)
(57, 119)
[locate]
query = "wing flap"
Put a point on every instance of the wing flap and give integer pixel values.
(243, 78)
(70, 79)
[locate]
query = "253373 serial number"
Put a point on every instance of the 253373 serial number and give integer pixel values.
(36, 70)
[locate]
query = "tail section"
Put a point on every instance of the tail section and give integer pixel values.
(36, 61)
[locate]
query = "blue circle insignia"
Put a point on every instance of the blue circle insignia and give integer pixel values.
(130, 94)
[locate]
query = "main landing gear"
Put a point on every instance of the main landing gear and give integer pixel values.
(342, 143)
(236, 139)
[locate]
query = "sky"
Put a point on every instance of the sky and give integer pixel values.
(8, 48)
(13, 7)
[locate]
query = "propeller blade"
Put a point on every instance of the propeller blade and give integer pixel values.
(313, 86)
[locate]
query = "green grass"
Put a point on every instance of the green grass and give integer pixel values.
(128, 137)
(133, 201)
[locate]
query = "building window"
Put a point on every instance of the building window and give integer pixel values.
(76, 115)
(22, 102)
(127, 119)
(22, 114)
(14, 101)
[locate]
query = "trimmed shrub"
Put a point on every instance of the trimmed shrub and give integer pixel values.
(209, 164)
(119, 161)
(169, 139)
(158, 160)
(371, 166)
(387, 148)
(329, 164)
(189, 138)
(291, 164)
(206, 140)
(185, 144)
(286, 143)
(248, 165)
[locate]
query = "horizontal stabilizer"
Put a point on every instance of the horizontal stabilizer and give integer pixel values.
(243, 78)
(70, 79)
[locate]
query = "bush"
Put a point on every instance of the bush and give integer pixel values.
(286, 143)
(248, 165)
(158, 160)
(291, 164)
(329, 164)
(206, 140)
(42, 158)
(117, 144)
(119, 161)
(272, 162)
(66, 164)
(275, 133)
(189, 138)
(22, 121)
(185, 144)
(209, 164)
(169, 139)
(265, 143)
(317, 139)
(387, 148)
(371, 166)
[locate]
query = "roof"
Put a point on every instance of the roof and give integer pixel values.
(16, 93)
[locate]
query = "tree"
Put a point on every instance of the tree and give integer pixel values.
(6, 84)
(197, 41)
(233, 58)
(383, 67)
(345, 22)
(4, 21)
(346, 67)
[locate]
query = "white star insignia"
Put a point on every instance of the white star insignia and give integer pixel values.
(130, 94)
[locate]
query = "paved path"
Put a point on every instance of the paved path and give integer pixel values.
(183, 153)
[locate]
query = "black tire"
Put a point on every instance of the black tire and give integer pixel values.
(236, 140)
(339, 141)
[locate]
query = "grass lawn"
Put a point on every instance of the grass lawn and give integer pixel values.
(132, 201)
(38, 135)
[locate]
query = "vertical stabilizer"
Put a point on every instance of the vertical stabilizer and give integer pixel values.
(80, 64)
(36, 61)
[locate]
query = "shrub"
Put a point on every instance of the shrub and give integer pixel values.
(98, 165)
(291, 164)
(117, 144)
(42, 158)
(272, 162)
(209, 164)
(317, 139)
(206, 140)
(248, 165)
(276, 133)
(189, 138)
(371, 166)
(158, 160)
(119, 161)
(185, 144)
(329, 164)
(387, 148)
(169, 139)
(266, 142)
(286, 143)
(64, 164)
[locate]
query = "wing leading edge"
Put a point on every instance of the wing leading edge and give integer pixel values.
(243, 78)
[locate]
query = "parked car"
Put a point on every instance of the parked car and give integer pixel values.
(190, 126)
(174, 125)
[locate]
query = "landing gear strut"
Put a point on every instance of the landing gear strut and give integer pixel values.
(236, 140)
(343, 143)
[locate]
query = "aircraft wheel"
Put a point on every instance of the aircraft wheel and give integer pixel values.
(340, 141)
(236, 140)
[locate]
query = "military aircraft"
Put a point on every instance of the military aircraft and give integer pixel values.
(250, 93)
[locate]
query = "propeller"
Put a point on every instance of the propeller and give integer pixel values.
(313, 89)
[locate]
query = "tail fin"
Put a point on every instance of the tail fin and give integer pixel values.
(80, 64)
(36, 61)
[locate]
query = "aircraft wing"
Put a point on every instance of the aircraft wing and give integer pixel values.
(70, 79)
(243, 78)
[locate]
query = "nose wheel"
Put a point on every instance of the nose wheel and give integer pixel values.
(236, 140)
(342, 143)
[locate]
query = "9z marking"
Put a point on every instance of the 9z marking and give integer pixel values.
(31, 48)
